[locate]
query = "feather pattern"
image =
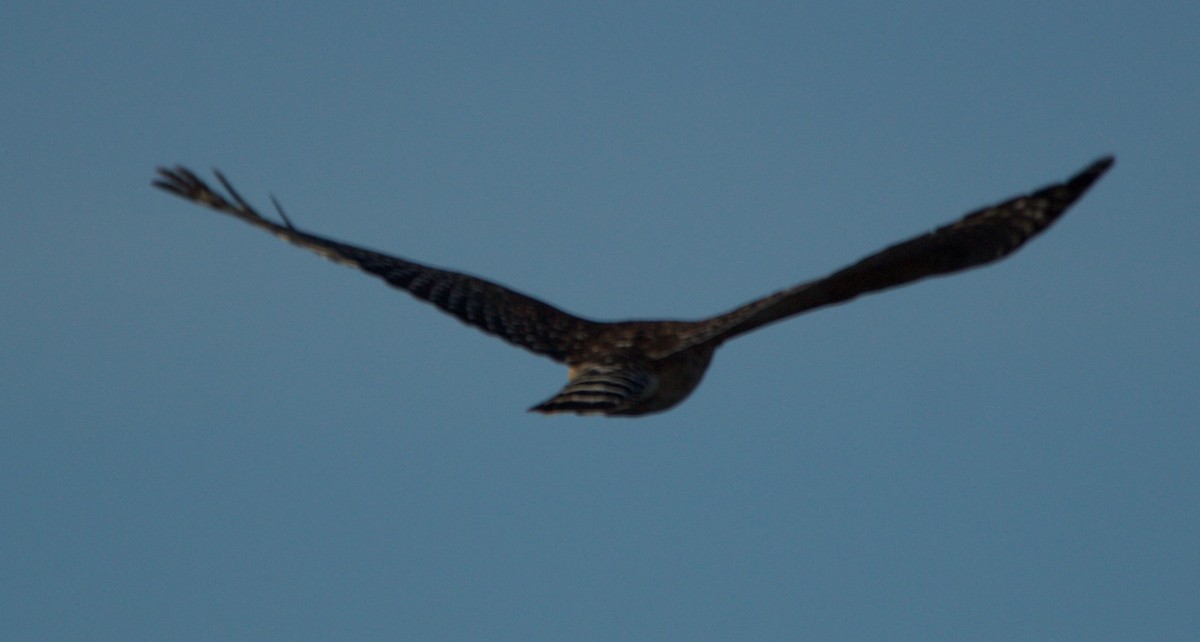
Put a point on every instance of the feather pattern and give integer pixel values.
(981, 237)
(639, 367)
(600, 389)
(493, 308)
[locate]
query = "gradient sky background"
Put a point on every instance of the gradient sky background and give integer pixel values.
(208, 434)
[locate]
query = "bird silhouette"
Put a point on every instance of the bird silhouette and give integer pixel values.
(639, 367)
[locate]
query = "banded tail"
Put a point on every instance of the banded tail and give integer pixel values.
(600, 389)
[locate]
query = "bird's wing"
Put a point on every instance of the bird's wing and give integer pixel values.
(495, 309)
(980, 237)
(601, 388)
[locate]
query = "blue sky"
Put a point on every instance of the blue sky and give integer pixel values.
(208, 434)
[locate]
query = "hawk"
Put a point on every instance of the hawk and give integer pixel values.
(638, 367)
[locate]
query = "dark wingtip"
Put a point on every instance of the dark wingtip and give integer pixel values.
(1091, 173)
(1102, 164)
(171, 180)
(166, 186)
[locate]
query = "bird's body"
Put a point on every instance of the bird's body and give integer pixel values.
(640, 367)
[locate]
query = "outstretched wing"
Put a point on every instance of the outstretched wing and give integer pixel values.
(980, 237)
(495, 309)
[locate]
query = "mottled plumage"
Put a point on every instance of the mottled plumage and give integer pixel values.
(639, 367)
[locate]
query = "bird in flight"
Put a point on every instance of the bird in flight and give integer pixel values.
(630, 368)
